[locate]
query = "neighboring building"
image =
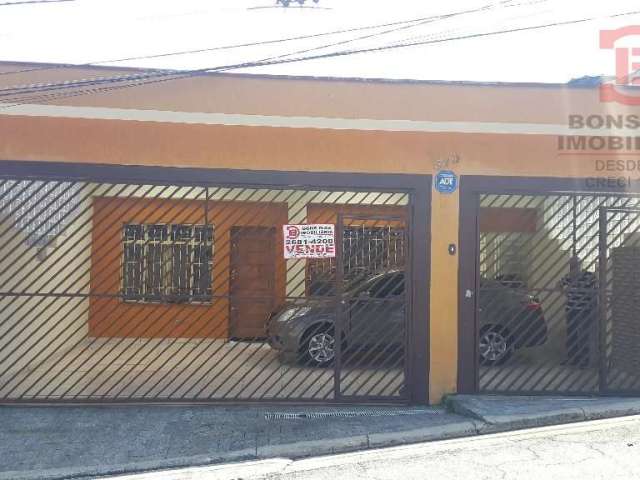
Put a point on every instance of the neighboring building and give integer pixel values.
(144, 232)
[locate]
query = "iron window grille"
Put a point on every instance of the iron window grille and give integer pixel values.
(367, 252)
(167, 263)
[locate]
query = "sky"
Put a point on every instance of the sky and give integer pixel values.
(99, 31)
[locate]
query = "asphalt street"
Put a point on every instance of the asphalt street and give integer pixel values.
(602, 449)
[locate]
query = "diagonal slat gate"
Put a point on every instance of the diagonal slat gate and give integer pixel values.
(126, 291)
(373, 307)
(619, 278)
(557, 289)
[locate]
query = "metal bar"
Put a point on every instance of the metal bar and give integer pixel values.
(165, 200)
(358, 335)
(373, 355)
(536, 236)
(341, 262)
(339, 321)
(18, 206)
(546, 272)
(92, 342)
(518, 235)
(144, 344)
(287, 198)
(569, 359)
(286, 274)
(604, 248)
(213, 282)
(575, 379)
(388, 219)
(216, 351)
(296, 213)
(236, 356)
(112, 384)
(558, 221)
(61, 282)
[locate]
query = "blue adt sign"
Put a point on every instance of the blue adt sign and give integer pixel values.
(446, 181)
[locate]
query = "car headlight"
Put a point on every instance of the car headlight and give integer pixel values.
(289, 313)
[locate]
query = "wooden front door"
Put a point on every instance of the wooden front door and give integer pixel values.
(252, 281)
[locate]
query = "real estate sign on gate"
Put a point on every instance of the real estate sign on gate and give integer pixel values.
(309, 241)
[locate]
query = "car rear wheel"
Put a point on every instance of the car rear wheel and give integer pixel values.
(494, 346)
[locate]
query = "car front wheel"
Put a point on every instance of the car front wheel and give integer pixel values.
(320, 348)
(494, 346)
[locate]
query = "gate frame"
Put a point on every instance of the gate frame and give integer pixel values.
(417, 186)
(471, 187)
(603, 372)
(339, 308)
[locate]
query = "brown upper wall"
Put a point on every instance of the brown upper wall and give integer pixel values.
(332, 98)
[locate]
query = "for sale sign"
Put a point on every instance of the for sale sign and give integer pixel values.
(310, 241)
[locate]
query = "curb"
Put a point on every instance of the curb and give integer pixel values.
(129, 468)
(275, 457)
(269, 453)
(581, 410)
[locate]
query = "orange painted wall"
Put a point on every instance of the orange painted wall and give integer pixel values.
(111, 317)
(505, 219)
(270, 148)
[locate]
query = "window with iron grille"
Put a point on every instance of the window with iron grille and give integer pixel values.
(366, 251)
(167, 263)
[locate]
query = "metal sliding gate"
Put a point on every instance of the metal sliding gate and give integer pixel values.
(160, 292)
(372, 308)
(557, 310)
(619, 297)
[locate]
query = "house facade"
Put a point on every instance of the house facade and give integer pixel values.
(146, 228)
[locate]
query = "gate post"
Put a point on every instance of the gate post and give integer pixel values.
(339, 323)
(602, 298)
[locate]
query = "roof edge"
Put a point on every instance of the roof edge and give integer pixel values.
(375, 80)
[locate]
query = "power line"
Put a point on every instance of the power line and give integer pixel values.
(155, 72)
(224, 47)
(187, 74)
(177, 75)
(24, 2)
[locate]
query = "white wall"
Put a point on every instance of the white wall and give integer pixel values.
(43, 321)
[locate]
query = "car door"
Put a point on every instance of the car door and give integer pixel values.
(376, 314)
(392, 318)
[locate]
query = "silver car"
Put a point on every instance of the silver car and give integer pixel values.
(373, 316)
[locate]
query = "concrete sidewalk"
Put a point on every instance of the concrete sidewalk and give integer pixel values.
(85, 442)
(496, 413)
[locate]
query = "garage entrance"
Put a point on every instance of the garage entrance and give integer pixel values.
(556, 281)
(152, 284)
